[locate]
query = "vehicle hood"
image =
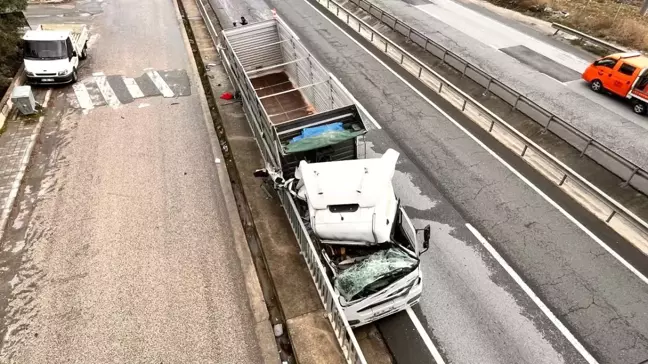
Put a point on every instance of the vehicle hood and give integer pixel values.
(46, 65)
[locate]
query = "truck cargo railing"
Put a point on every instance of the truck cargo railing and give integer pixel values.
(589, 196)
(269, 139)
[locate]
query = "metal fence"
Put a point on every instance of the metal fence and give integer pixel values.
(605, 208)
(343, 332)
(628, 171)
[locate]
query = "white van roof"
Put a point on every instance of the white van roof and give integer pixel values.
(46, 35)
(360, 181)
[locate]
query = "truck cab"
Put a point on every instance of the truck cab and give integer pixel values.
(52, 53)
(367, 241)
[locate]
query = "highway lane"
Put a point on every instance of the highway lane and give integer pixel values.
(121, 248)
(593, 293)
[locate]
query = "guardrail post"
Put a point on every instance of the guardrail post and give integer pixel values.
(463, 73)
(589, 142)
(627, 182)
(563, 180)
(426, 43)
(610, 217)
(440, 86)
(517, 99)
(409, 33)
(444, 55)
(490, 128)
(463, 107)
(548, 122)
(402, 58)
(347, 18)
(524, 150)
(420, 71)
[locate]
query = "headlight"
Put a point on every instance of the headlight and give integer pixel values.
(63, 73)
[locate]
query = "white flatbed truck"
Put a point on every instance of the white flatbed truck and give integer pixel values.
(52, 52)
(357, 240)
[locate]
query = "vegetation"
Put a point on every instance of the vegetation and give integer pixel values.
(618, 21)
(11, 23)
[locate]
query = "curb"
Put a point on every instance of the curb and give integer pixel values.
(263, 327)
(15, 188)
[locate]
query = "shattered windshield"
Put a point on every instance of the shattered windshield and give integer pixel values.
(376, 272)
(50, 49)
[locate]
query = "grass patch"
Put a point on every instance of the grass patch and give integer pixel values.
(618, 22)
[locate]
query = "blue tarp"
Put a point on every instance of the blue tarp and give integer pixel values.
(317, 130)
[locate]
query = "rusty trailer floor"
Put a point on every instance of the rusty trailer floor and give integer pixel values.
(283, 107)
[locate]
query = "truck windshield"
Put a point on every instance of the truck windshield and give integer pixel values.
(50, 49)
(374, 273)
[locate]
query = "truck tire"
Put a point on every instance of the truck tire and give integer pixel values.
(75, 76)
(596, 86)
(639, 107)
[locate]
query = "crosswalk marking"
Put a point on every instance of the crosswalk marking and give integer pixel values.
(82, 95)
(133, 88)
(106, 90)
(160, 83)
(118, 90)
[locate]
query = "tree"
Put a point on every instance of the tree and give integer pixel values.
(11, 22)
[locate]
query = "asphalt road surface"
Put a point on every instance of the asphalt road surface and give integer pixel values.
(120, 250)
(448, 179)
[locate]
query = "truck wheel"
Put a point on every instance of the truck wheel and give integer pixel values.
(75, 76)
(596, 86)
(639, 107)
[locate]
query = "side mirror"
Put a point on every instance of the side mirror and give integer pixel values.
(427, 232)
(74, 53)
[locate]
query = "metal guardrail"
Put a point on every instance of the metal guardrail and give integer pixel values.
(605, 208)
(628, 171)
(329, 298)
(583, 36)
(343, 332)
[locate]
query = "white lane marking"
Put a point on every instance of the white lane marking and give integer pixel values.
(159, 83)
(424, 335)
(559, 325)
(48, 94)
(83, 96)
(132, 87)
(106, 90)
(508, 166)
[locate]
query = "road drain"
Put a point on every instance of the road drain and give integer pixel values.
(267, 285)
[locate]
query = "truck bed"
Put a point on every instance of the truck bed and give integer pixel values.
(77, 30)
(283, 107)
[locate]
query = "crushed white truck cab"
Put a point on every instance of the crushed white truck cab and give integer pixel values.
(52, 52)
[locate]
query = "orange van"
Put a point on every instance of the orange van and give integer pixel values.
(622, 74)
